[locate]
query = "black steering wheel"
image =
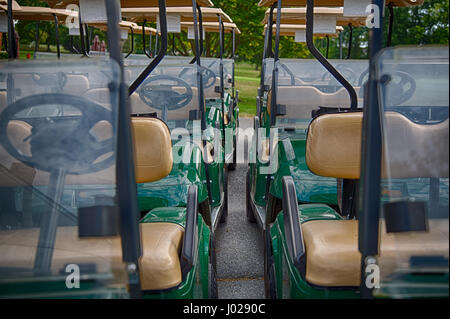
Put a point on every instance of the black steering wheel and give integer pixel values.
(209, 77)
(346, 72)
(399, 82)
(63, 143)
(163, 96)
(401, 85)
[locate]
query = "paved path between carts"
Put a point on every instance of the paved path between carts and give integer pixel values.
(240, 263)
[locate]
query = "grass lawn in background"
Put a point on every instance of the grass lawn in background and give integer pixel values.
(247, 82)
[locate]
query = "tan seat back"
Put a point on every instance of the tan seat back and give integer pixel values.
(152, 149)
(300, 101)
(76, 84)
(333, 147)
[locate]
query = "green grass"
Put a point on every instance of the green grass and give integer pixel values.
(247, 82)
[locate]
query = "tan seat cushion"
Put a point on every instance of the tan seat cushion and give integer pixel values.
(159, 265)
(333, 259)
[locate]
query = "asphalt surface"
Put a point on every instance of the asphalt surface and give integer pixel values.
(239, 243)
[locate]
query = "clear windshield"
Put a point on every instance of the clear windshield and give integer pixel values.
(415, 184)
(57, 159)
(304, 85)
(210, 69)
(171, 93)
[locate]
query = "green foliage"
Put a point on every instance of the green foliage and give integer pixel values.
(247, 16)
(426, 24)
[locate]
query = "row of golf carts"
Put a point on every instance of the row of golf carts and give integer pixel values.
(113, 166)
(348, 168)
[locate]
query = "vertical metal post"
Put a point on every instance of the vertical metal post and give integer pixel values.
(269, 52)
(82, 41)
(233, 54)
(198, 52)
(88, 40)
(369, 201)
(173, 44)
(12, 48)
(222, 84)
(156, 43)
(350, 37)
(391, 24)
(274, 104)
(340, 45)
(150, 50)
(148, 54)
(132, 43)
(328, 46)
(58, 49)
(125, 174)
(262, 76)
(36, 39)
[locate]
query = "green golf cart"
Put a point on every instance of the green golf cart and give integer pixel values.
(69, 223)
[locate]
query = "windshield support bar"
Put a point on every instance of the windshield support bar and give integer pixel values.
(58, 49)
(125, 174)
(233, 54)
(36, 39)
(162, 52)
(198, 37)
(391, 24)
(316, 53)
(274, 105)
(222, 84)
(12, 49)
(82, 42)
(262, 75)
(268, 50)
(276, 58)
(200, 23)
(88, 40)
(350, 38)
(143, 41)
(132, 43)
(369, 204)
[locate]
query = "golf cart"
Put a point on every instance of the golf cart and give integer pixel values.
(317, 252)
(217, 72)
(172, 93)
(69, 225)
(298, 90)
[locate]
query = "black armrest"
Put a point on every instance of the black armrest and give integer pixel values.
(256, 126)
(292, 229)
(188, 252)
